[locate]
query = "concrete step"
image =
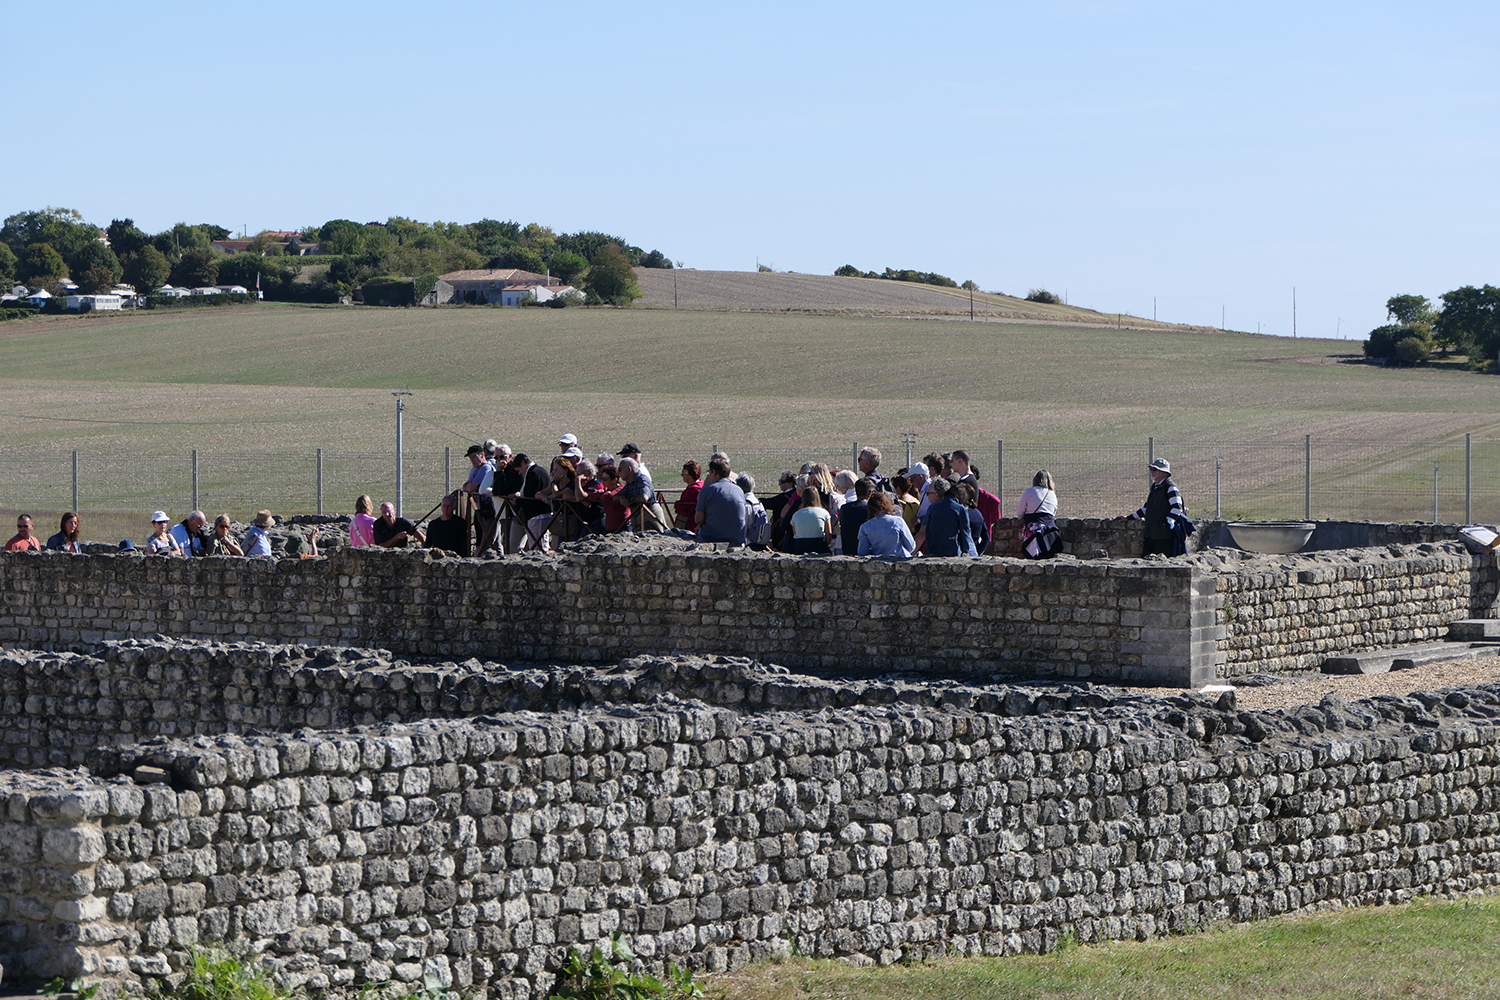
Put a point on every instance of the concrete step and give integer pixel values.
(1473, 629)
(1380, 661)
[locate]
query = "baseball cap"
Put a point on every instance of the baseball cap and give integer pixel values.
(159, 517)
(917, 469)
(568, 440)
(630, 449)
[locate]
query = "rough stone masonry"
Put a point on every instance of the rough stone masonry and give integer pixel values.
(1182, 622)
(682, 801)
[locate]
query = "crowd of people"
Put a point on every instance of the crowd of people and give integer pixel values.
(510, 503)
(934, 507)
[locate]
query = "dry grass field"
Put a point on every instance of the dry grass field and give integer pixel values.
(256, 389)
(822, 294)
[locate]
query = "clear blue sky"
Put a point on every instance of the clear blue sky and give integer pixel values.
(1206, 154)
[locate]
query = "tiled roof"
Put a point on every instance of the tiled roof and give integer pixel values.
(510, 275)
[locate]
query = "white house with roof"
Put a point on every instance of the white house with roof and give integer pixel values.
(517, 294)
(486, 286)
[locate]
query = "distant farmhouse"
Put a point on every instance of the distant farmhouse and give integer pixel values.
(500, 287)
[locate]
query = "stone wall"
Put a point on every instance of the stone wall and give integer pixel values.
(1113, 620)
(60, 708)
(1292, 612)
(1181, 622)
(480, 851)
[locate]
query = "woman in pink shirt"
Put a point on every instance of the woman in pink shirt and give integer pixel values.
(362, 528)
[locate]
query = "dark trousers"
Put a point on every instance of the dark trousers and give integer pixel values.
(1157, 546)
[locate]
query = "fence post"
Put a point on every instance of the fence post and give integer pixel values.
(854, 461)
(1307, 486)
(1150, 450)
(1000, 471)
(75, 480)
(1468, 478)
(447, 469)
(1434, 493)
(195, 478)
(320, 482)
(1218, 490)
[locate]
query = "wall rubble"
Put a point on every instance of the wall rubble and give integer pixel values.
(480, 850)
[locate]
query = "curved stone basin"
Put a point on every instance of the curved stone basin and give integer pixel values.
(1277, 538)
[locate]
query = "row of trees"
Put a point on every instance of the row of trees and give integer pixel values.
(891, 274)
(1468, 323)
(41, 248)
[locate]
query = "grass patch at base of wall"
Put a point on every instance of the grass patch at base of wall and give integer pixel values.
(1432, 950)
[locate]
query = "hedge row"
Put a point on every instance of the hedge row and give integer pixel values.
(199, 301)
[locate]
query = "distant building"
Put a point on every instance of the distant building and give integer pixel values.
(516, 294)
(94, 303)
(487, 287)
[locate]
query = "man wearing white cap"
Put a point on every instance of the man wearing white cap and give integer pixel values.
(1163, 505)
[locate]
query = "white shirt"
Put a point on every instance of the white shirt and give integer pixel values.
(1037, 499)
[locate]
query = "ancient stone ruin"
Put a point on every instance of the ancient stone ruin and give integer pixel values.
(378, 767)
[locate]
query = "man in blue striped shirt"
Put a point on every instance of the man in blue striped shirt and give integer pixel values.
(1162, 504)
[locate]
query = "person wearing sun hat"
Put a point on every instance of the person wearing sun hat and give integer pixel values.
(1163, 506)
(256, 542)
(160, 541)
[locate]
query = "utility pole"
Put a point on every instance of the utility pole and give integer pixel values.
(910, 437)
(971, 304)
(400, 408)
(1294, 311)
(1153, 308)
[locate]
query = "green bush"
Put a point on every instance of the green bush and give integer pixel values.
(218, 975)
(1412, 350)
(1399, 345)
(1043, 296)
(199, 301)
(18, 312)
(601, 975)
(389, 291)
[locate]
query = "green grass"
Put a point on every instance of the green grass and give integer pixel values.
(1429, 950)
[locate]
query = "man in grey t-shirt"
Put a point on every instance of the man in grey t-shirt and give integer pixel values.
(721, 513)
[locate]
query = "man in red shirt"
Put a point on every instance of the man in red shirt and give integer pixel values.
(24, 540)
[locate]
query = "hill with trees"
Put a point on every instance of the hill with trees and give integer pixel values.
(41, 248)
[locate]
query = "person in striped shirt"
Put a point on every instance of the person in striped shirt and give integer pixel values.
(1163, 504)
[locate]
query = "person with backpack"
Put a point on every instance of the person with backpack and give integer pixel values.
(1162, 510)
(758, 532)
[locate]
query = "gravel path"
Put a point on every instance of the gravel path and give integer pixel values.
(1301, 689)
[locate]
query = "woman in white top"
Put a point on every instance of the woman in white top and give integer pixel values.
(160, 541)
(1037, 510)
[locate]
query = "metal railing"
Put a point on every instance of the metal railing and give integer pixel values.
(1454, 479)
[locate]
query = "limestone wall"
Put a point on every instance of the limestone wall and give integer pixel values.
(1293, 612)
(1108, 620)
(1180, 623)
(481, 850)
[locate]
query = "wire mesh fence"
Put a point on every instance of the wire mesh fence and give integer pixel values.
(1451, 480)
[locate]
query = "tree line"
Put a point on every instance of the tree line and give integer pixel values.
(42, 248)
(1468, 323)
